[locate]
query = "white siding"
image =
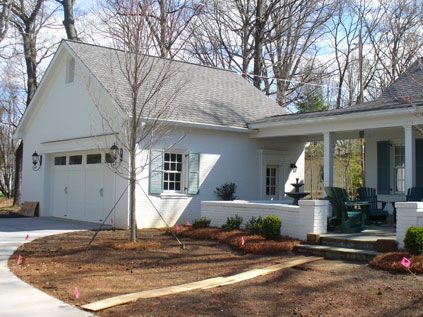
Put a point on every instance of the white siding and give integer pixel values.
(62, 111)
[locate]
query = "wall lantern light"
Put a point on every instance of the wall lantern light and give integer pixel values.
(116, 154)
(37, 161)
(293, 167)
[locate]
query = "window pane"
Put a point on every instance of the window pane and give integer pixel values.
(166, 156)
(166, 166)
(179, 158)
(173, 157)
(165, 186)
(178, 177)
(75, 160)
(171, 186)
(177, 186)
(93, 158)
(60, 160)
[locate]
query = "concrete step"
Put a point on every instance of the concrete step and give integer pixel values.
(348, 243)
(338, 253)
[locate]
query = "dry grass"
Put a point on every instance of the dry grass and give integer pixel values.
(392, 262)
(254, 244)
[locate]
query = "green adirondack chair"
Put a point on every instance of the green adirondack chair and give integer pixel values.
(373, 213)
(346, 217)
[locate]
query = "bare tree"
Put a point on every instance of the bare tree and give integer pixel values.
(29, 18)
(68, 19)
(396, 39)
(169, 22)
(152, 84)
(11, 108)
(224, 35)
(5, 6)
(293, 44)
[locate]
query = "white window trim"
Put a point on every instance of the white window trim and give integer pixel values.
(167, 193)
(393, 169)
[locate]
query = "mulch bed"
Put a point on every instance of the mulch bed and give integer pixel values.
(113, 266)
(392, 262)
(255, 244)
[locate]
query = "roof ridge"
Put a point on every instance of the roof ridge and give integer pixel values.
(152, 56)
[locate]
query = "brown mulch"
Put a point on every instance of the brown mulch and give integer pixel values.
(392, 262)
(57, 264)
(255, 244)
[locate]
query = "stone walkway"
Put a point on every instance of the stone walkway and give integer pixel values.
(18, 298)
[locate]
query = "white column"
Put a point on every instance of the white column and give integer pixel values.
(410, 156)
(328, 159)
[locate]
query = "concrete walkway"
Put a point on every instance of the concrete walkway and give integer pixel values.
(18, 298)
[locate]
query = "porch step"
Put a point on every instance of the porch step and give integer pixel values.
(338, 253)
(348, 243)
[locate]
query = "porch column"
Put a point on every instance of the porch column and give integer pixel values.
(328, 159)
(410, 156)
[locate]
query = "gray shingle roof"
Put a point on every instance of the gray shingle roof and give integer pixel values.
(207, 95)
(405, 92)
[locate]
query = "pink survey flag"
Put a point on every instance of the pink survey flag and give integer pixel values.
(19, 260)
(406, 263)
(242, 241)
(27, 237)
(177, 228)
(76, 293)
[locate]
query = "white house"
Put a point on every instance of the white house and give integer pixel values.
(231, 133)
(64, 125)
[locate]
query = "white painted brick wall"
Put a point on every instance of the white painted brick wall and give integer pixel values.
(224, 157)
(408, 214)
(297, 221)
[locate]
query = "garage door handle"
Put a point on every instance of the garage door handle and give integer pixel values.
(66, 190)
(101, 192)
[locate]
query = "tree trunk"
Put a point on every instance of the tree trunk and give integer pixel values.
(18, 174)
(69, 21)
(258, 44)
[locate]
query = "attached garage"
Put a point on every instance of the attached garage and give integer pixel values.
(82, 186)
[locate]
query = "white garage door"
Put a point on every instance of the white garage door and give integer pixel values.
(82, 187)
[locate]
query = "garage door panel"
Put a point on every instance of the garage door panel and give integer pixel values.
(59, 189)
(93, 194)
(75, 194)
(84, 189)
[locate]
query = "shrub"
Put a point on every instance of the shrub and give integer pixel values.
(203, 222)
(254, 225)
(414, 240)
(271, 227)
(226, 191)
(232, 223)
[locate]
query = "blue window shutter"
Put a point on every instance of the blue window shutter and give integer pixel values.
(419, 163)
(383, 167)
(156, 172)
(193, 173)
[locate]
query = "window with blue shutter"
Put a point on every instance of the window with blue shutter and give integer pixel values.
(193, 177)
(156, 172)
(383, 167)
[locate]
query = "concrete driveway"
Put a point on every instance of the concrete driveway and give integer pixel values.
(18, 298)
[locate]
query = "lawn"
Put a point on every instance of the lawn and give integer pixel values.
(58, 264)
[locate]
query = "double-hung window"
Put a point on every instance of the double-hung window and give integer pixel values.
(399, 168)
(172, 172)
